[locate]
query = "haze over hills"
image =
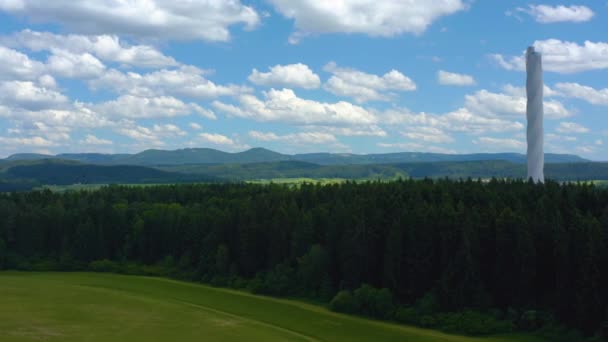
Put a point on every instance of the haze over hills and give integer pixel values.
(260, 155)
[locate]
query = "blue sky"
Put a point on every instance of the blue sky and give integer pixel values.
(360, 76)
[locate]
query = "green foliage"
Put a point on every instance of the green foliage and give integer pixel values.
(3, 255)
(104, 265)
(366, 301)
(345, 302)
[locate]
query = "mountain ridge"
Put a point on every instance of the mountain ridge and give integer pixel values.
(188, 156)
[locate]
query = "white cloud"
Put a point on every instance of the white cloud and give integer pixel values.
(546, 14)
(185, 81)
(585, 93)
(492, 144)
(450, 78)
(93, 140)
(512, 90)
(560, 138)
(365, 87)
(27, 141)
(384, 18)
(105, 47)
(29, 96)
(195, 126)
(292, 75)
(168, 130)
(571, 128)
(361, 131)
(136, 107)
(71, 65)
(150, 19)
(142, 135)
(599, 142)
(295, 138)
(222, 140)
(562, 57)
(487, 103)
(285, 106)
(428, 134)
(416, 147)
(460, 120)
(17, 65)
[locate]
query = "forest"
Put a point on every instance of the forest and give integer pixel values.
(466, 256)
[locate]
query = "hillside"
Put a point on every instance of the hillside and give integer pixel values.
(27, 174)
(130, 308)
(55, 172)
(454, 170)
(260, 155)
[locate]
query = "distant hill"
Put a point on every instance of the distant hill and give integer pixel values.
(94, 158)
(202, 156)
(192, 156)
(56, 172)
(29, 156)
(470, 169)
(416, 157)
(27, 174)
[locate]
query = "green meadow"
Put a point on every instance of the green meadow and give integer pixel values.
(107, 307)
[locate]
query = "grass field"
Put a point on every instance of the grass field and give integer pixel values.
(296, 181)
(105, 307)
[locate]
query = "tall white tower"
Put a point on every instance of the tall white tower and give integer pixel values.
(534, 90)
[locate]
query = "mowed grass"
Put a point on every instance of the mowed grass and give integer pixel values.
(106, 307)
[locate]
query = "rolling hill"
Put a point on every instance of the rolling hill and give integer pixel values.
(58, 172)
(105, 307)
(260, 155)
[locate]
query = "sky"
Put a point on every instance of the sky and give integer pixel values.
(298, 76)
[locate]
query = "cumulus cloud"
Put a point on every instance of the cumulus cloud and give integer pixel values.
(427, 134)
(292, 75)
(184, 81)
(571, 128)
(562, 57)
(285, 106)
(364, 87)
(27, 141)
(361, 131)
(492, 104)
(93, 140)
(461, 120)
(454, 79)
(546, 14)
(168, 130)
(195, 126)
(71, 65)
(141, 134)
(585, 93)
(29, 96)
(17, 65)
(499, 144)
(208, 20)
(512, 90)
(137, 107)
(295, 138)
(384, 18)
(105, 47)
(221, 140)
(412, 146)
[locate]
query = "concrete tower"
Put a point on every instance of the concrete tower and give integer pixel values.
(534, 90)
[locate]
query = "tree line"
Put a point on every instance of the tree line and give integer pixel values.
(436, 253)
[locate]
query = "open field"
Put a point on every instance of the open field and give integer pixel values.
(296, 181)
(105, 307)
(601, 183)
